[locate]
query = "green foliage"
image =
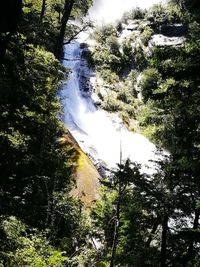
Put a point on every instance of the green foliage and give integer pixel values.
(31, 6)
(29, 82)
(109, 53)
(111, 103)
(108, 75)
(125, 95)
(81, 8)
(114, 61)
(113, 45)
(102, 57)
(174, 14)
(155, 210)
(135, 13)
(146, 35)
(27, 247)
(149, 82)
(102, 33)
(157, 14)
(127, 55)
(133, 218)
(170, 117)
(35, 166)
(40, 32)
(131, 82)
(160, 15)
(139, 57)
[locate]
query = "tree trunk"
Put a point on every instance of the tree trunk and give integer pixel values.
(164, 241)
(10, 15)
(4, 41)
(190, 251)
(43, 10)
(116, 232)
(155, 227)
(66, 15)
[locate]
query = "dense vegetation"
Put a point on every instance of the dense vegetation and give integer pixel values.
(153, 220)
(139, 220)
(39, 220)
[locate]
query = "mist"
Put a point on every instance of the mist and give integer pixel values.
(107, 11)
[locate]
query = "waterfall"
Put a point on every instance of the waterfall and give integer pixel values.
(102, 137)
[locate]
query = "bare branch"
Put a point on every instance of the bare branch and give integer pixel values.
(73, 37)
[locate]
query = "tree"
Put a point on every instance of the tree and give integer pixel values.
(70, 6)
(122, 214)
(149, 83)
(175, 101)
(121, 180)
(10, 14)
(66, 15)
(38, 218)
(43, 9)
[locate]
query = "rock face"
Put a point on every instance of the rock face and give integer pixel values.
(86, 176)
(162, 40)
(85, 72)
(87, 180)
(171, 35)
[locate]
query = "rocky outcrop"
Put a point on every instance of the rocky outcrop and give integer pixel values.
(87, 180)
(160, 40)
(85, 72)
(85, 174)
(171, 35)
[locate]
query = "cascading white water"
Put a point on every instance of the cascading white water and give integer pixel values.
(103, 138)
(99, 136)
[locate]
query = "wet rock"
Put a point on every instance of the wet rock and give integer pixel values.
(83, 45)
(85, 53)
(102, 168)
(97, 101)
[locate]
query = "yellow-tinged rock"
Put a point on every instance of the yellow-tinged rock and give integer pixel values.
(86, 175)
(87, 180)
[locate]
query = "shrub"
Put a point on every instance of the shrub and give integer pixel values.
(102, 33)
(135, 13)
(109, 76)
(146, 35)
(131, 81)
(127, 57)
(139, 58)
(113, 45)
(28, 247)
(111, 103)
(125, 95)
(149, 82)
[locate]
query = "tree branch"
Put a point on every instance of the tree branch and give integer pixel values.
(77, 33)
